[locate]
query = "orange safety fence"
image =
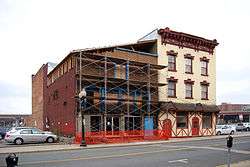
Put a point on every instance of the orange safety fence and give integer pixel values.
(105, 137)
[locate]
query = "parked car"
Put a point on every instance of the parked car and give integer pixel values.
(225, 129)
(247, 126)
(240, 127)
(29, 135)
(13, 129)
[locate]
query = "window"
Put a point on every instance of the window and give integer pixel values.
(55, 95)
(189, 90)
(36, 131)
(112, 125)
(204, 92)
(206, 120)
(171, 63)
(26, 132)
(204, 67)
(181, 118)
(95, 123)
(188, 65)
(133, 123)
(115, 70)
(171, 89)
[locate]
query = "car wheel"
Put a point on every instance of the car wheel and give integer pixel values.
(18, 141)
(232, 132)
(219, 133)
(248, 129)
(50, 140)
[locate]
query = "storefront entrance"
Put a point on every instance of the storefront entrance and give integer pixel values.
(195, 126)
(112, 125)
(167, 128)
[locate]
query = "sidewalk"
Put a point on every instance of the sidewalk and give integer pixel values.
(239, 164)
(60, 147)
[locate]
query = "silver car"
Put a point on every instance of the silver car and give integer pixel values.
(29, 135)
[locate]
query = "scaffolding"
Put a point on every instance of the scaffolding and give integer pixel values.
(121, 98)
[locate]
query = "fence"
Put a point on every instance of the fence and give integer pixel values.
(105, 137)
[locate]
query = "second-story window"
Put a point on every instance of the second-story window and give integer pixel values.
(172, 87)
(189, 90)
(204, 90)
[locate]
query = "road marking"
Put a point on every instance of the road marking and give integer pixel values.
(214, 148)
(185, 161)
(103, 157)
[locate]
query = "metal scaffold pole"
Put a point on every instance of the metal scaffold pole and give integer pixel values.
(128, 90)
(105, 93)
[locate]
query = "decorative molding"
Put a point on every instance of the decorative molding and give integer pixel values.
(204, 59)
(187, 40)
(188, 81)
(205, 83)
(172, 53)
(172, 79)
(188, 56)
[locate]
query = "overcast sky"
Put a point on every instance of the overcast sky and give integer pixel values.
(33, 32)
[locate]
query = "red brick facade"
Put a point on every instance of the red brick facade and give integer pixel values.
(39, 82)
(61, 104)
(53, 106)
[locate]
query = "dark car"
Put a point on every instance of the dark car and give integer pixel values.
(3, 131)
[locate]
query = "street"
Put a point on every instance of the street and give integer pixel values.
(203, 153)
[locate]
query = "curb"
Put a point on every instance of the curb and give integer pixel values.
(244, 163)
(173, 140)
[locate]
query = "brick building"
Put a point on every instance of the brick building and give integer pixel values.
(234, 113)
(163, 84)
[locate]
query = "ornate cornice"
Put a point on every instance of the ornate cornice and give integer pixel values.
(187, 40)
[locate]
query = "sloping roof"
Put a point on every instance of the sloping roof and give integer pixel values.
(150, 36)
(113, 46)
(51, 66)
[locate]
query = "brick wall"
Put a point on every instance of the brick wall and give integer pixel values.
(61, 104)
(39, 81)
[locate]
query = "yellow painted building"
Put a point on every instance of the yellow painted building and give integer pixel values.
(188, 101)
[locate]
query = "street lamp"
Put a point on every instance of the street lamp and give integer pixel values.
(82, 98)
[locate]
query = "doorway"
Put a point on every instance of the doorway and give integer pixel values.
(167, 128)
(195, 126)
(112, 125)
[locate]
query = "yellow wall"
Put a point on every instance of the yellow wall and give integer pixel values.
(181, 75)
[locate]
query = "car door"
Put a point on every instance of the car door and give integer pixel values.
(26, 135)
(225, 129)
(228, 130)
(38, 136)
